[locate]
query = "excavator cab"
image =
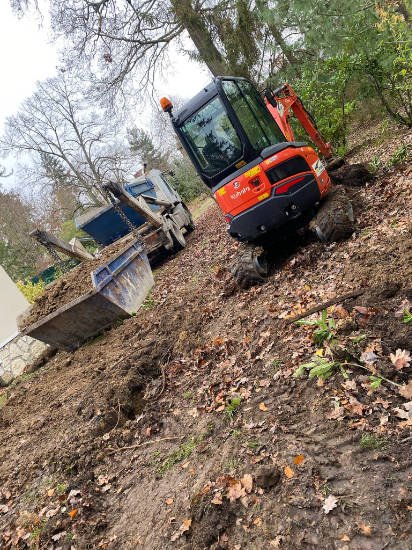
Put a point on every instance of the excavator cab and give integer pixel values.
(240, 143)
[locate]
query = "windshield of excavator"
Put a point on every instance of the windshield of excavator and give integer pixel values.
(258, 124)
(212, 137)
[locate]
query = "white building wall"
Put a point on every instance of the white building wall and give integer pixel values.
(12, 304)
(16, 351)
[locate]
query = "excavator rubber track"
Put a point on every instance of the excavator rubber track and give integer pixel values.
(251, 266)
(334, 220)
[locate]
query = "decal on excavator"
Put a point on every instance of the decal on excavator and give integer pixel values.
(318, 167)
(240, 193)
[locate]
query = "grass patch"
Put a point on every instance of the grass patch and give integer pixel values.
(3, 399)
(232, 406)
(180, 454)
(371, 442)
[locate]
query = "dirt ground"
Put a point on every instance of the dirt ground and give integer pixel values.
(185, 426)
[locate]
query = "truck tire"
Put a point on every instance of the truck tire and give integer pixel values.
(250, 267)
(335, 220)
(191, 225)
(179, 241)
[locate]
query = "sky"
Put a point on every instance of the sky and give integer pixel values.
(29, 55)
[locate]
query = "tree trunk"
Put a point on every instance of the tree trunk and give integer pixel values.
(200, 36)
(277, 35)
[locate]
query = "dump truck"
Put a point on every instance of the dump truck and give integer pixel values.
(145, 218)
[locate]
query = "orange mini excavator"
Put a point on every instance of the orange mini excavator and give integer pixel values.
(243, 147)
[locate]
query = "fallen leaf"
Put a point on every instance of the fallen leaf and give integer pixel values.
(345, 538)
(235, 491)
(289, 473)
(369, 357)
(217, 499)
(58, 536)
(247, 482)
(406, 390)
(50, 492)
(298, 459)
(354, 406)
(52, 512)
(263, 407)
(363, 310)
(4, 508)
(365, 529)
(405, 414)
(401, 358)
(257, 522)
(329, 503)
(182, 529)
(186, 525)
(341, 312)
(73, 513)
(102, 480)
(169, 501)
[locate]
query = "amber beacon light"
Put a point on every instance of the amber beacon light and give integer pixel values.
(166, 104)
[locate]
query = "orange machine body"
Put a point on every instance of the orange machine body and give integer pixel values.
(254, 186)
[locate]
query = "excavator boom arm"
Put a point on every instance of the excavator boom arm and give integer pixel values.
(280, 103)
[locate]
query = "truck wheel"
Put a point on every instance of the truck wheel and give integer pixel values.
(191, 225)
(250, 267)
(179, 241)
(335, 220)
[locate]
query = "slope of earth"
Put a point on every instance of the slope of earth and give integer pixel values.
(187, 426)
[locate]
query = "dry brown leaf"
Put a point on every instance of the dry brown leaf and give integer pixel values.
(263, 407)
(406, 391)
(169, 501)
(401, 358)
(186, 525)
(50, 492)
(289, 473)
(217, 499)
(4, 508)
(406, 412)
(235, 491)
(247, 482)
(182, 529)
(345, 538)
(298, 459)
(73, 513)
(365, 529)
(257, 522)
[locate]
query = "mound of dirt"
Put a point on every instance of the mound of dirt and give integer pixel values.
(70, 286)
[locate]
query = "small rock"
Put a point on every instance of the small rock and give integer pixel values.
(6, 379)
(267, 477)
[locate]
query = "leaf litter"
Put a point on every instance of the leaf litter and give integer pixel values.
(82, 424)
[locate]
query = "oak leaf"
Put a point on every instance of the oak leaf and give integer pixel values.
(329, 503)
(401, 358)
(263, 407)
(406, 390)
(247, 482)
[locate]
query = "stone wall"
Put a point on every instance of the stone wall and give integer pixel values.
(18, 353)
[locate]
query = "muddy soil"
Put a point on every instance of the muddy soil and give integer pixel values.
(185, 427)
(70, 286)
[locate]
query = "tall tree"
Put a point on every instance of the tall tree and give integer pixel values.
(70, 143)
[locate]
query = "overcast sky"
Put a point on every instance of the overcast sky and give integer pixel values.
(28, 55)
